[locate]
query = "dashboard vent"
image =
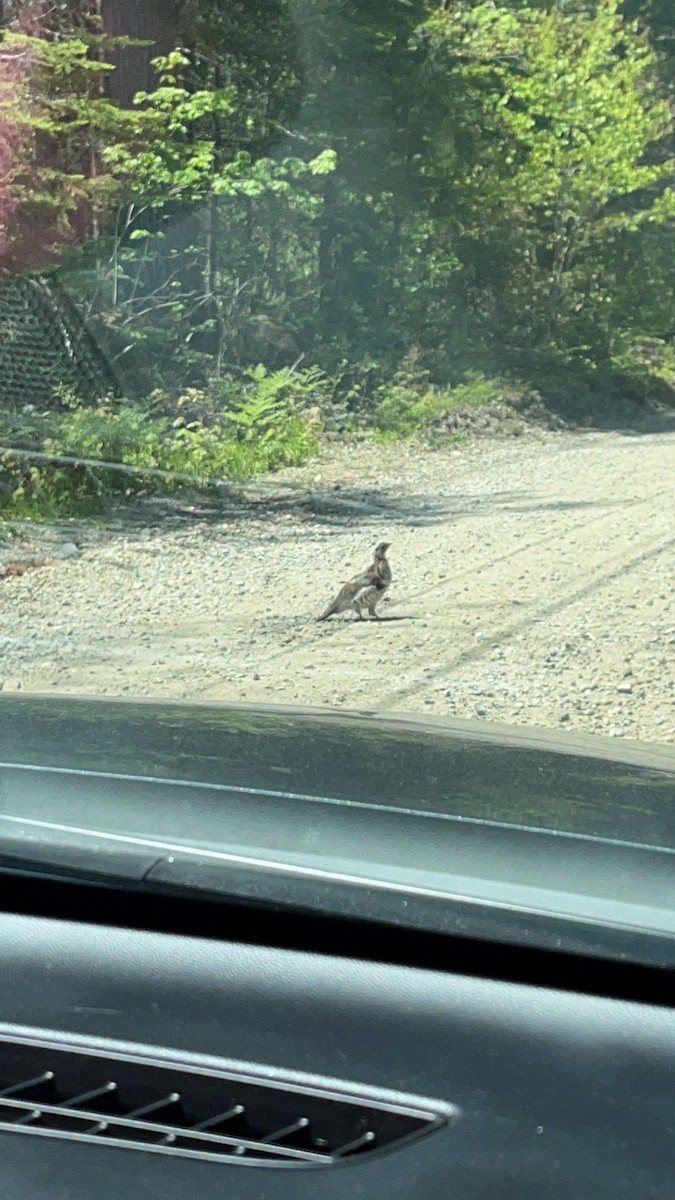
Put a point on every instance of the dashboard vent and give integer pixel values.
(91, 1097)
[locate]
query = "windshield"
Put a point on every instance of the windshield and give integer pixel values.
(337, 372)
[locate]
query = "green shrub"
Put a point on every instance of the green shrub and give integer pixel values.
(479, 391)
(648, 367)
(266, 424)
(404, 411)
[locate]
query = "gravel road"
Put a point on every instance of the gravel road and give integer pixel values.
(533, 584)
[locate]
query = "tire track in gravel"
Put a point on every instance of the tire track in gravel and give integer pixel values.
(526, 547)
(619, 571)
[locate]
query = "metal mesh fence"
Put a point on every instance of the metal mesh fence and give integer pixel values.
(45, 346)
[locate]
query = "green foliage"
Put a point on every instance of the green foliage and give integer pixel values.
(267, 426)
(53, 100)
(648, 367)
(404, 412)
(573, 153)
(169, 149)
(403, 194)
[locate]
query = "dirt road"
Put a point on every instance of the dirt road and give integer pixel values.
(533, 584)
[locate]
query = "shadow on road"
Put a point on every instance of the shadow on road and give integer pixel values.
(339, 509)
(371, 620)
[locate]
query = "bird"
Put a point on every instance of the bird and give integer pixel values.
(366, 589)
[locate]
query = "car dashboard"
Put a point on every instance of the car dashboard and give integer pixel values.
(168, 1030)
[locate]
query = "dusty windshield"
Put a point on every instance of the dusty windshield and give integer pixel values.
(337, 356)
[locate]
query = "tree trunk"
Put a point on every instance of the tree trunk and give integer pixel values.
(327, 251)
(157, 21)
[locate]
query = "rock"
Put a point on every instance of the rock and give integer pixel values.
(626, 688)
(67, 550)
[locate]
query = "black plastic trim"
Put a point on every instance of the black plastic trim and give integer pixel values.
(264, 925)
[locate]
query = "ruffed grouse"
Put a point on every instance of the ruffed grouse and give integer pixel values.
(364, 590)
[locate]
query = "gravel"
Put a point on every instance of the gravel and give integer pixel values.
(533, 584)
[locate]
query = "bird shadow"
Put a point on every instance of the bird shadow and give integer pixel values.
(376, 620)
(401, 617)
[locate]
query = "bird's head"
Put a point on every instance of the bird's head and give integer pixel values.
(381, 550)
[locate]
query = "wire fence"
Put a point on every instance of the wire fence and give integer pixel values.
(45, 344)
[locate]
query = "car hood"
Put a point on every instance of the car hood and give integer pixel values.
(583, 786)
